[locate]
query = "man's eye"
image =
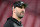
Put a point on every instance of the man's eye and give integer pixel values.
(20, 7)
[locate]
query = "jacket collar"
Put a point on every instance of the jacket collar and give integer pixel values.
(15, 20)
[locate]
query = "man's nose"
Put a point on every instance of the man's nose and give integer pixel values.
(23, 10)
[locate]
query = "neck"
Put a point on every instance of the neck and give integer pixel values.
(15, 16)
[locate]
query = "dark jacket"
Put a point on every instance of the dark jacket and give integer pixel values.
(12, 22)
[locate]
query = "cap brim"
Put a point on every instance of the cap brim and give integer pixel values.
(25, 5)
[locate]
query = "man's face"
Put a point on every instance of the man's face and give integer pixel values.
(20, 11)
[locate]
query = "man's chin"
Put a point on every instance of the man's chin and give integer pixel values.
(21, 17)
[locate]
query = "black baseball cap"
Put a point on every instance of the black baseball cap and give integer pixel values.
(19, 4)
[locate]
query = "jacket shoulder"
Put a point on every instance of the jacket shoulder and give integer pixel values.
(8, 23)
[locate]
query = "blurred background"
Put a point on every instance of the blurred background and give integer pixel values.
(32, 13)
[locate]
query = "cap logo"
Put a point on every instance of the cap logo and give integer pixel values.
(21, 2)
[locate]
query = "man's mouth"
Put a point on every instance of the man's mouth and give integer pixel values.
(22, 13)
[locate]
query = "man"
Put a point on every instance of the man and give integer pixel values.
(18, 9)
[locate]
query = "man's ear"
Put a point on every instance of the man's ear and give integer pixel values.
(13, 9)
